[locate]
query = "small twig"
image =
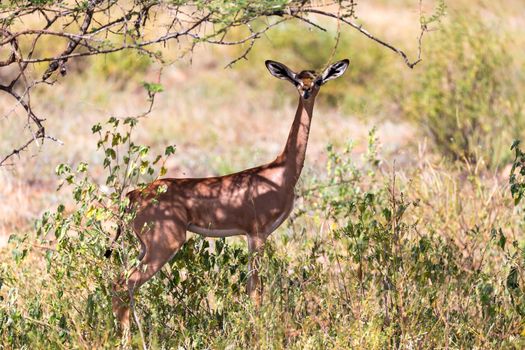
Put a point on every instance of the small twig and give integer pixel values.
(246, 52)
(313, 24)
(363, 31)
(337, 38)
(136, 318)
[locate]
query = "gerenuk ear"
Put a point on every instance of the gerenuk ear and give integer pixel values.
(334, 71)
(280, 71)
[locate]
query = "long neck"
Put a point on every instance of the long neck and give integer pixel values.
(294, 152)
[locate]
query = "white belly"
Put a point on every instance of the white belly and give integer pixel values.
(207, 232)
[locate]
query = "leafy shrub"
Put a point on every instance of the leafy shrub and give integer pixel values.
(467, 93)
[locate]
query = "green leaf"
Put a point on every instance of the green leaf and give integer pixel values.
(502, 239)
(96, 128)
(19, 255)
(143, 151)
(110, 152)
(113, 121)
(387, 214)
(61, 208)
(82, 167)
(62, 169)
(159, 157)
(116, 139)
(131, 121)
(70, 179)
(170, 150)
(152, 88)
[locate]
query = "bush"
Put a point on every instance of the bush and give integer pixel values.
(467, 99)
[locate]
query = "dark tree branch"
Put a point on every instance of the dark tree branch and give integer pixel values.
(73, 43)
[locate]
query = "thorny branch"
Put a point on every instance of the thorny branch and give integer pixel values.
(98, 27)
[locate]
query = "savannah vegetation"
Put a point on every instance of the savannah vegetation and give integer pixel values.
(407, 227)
